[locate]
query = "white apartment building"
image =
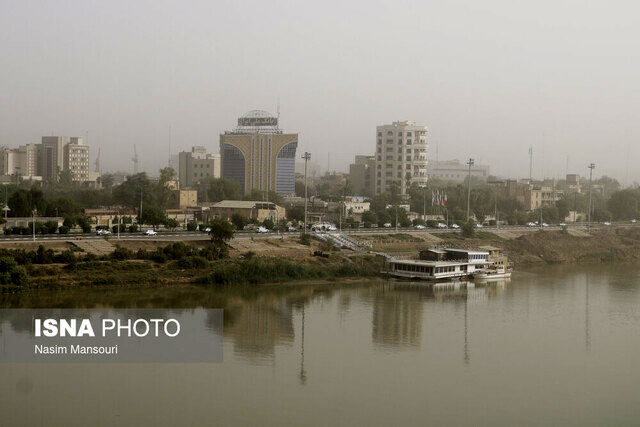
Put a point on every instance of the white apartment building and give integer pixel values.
(21, 161)
(401, 156)
(76, 159)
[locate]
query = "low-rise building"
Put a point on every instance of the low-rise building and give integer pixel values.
(362, 175)
(184, 198)
(197, 165)
(248, 209)
(453, 170)
(537, 196)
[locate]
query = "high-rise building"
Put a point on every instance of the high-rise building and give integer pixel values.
(197, 165)
(362, 175)
(51, 155)
(76, 159)
(258, 155)
(401, 156)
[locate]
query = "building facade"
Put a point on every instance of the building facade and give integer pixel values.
(76, 159)
(401, 156)
(51, 155)
(258, 155)
(197, 165)
(362, 175)
(453, 170)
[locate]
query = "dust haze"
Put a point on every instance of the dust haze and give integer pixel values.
(489, 79)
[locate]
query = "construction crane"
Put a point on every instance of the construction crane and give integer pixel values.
(135, 160)
(97, 162)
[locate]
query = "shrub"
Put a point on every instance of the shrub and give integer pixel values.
(193, 262)
(133, 228)
(305, 239)
(171, 223)
(66, 256)
(86, 228)
(63, 229)
(192, 226)
(468, 229)
(121, 254)
(159, 256)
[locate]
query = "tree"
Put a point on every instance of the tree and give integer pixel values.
(239, 221)
(22, 202)
(222, 189)
(624, 204)
(268, 224)
(153, 215)
(171, 223)
(258, 195)
(163, 190)
(128, 193)
(221, 232)
(468, 229)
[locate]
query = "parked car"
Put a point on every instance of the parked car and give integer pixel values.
(291, 228)
(562, 224)
(419, 227)
(633, 221)
(441, 225)
(150, 233)
(455, 226)
(103, 232)
(531, 224)
(207, 230)
(478, 225)
(262, 229)
(387, 225)
(607, 223)
(544, 224)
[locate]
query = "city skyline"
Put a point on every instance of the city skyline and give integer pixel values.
(158, 77)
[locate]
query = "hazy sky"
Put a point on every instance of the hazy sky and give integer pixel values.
(489, 78)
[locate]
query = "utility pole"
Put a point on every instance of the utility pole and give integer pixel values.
(591, 168)
(140, 218)
(306, 157)
(33, 222)
(470, 163)
(118, 224)
(396, 219)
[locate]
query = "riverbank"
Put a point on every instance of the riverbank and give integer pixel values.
(286, 260)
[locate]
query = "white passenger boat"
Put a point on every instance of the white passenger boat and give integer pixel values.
(494, 272)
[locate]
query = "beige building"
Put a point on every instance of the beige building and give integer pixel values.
(76, 159)
(401, 156)
(21, 161)
(248, 209)
(184, 198)
(258, 155)
(362, 175)
(536, 196)
(197, 165)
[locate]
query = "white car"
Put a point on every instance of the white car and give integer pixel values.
(387, 225)
(150, 233)
(441, 225)
(607, 223)
(633, 221)
(562, 224)
(455, 226)
(544, 224)
(478, 225)
(531, 224)
(103, 232)
(291, 228)
(262, 229)
(207, 230)
(419, 227)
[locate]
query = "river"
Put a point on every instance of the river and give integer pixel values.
(555, 345)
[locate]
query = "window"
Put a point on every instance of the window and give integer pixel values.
(408, 133)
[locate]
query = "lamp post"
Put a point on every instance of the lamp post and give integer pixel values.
(118, 223)
(591, 168)
(470, 163)
(306, 157)
(33, 222)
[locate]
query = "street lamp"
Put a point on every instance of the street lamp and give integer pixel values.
(470, 163)
(591, 168)
(34, 212)
(306, 157)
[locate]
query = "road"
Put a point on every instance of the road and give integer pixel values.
(172, 236)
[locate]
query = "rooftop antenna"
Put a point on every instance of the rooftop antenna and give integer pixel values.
(135, 159)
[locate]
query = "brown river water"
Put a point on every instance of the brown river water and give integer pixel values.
(555, 345)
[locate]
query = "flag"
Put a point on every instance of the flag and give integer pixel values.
(433, 198)
(439, 201)
(445, 199)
